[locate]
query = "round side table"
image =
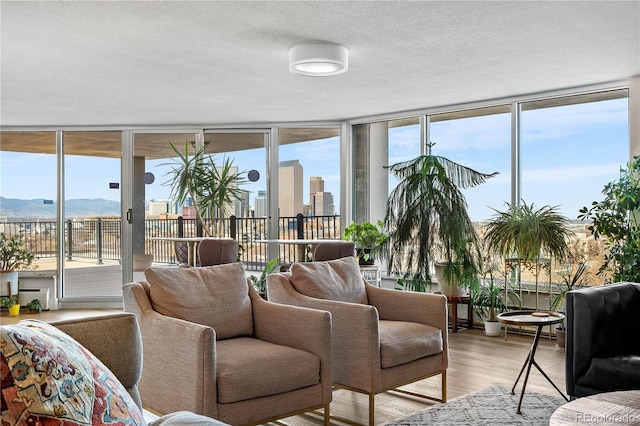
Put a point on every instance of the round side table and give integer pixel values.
(538, 319)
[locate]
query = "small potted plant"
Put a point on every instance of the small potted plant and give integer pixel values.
(14, 256)
(489, 299)
(11, 303)
(34, 306)
(367, 238)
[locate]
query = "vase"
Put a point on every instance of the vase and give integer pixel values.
(492, 328)
(14, 310)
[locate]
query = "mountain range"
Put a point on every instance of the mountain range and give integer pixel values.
(39, 208)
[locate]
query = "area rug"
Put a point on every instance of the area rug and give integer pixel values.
(491, 406)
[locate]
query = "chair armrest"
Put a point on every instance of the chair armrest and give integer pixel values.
(355, 339)
(296, 327)
(113, 339)
(175, 352)
(425, 308)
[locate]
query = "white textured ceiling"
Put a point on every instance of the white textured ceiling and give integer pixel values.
(225, 62)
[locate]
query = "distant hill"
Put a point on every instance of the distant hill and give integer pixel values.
(14, 208)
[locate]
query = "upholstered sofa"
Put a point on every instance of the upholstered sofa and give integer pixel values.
(81, 371)
(213, 346)
(603, 339)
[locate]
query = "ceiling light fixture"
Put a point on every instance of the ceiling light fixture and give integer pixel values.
(318, 59)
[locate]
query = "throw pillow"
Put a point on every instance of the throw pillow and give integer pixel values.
(50, 379)
(338, 279)
(216, 296)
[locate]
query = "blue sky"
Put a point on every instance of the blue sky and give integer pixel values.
(569, 153)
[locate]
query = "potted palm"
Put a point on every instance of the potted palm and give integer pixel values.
(213, 188)
(617, 218)
(14, 257)
(428, 222)
(367, 238)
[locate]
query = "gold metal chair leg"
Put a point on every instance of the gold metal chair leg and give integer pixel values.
(372, 403)
(444, 386)
(327, 415)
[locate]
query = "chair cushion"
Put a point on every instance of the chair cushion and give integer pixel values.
(49, 378)
(216, 296)
(612, 374)
(338, 279)
(402, 342)
(249, 368)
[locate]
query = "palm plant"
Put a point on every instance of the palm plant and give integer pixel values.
(427, 219)
(219, 188)
(524, 231)
(212, 188)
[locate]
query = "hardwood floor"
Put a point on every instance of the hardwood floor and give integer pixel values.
(475, 362)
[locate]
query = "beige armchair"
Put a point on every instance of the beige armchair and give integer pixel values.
(381, 338)
(214, 347)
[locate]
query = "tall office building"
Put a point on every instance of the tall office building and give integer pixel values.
(290, 199)
(316, 184)
(158, 207)
(260, 207)
(322, 204)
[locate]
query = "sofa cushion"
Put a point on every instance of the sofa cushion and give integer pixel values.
(249, 368)
(613, 374)
(402, 342)
(338, 279)
(49, 378)
(216, 296)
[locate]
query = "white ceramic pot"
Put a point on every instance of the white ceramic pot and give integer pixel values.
(8, 283)
(142, 261)
(492, 328)
(449, 288)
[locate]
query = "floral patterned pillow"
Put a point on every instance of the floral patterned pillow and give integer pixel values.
(48, 378)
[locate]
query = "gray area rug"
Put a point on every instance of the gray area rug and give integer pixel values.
(491, 406)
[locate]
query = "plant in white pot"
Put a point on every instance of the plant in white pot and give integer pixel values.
(489, 299)
(14, 257)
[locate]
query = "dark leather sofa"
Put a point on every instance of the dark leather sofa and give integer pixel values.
(603, 339)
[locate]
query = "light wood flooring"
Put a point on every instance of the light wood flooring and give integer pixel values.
(475, 362)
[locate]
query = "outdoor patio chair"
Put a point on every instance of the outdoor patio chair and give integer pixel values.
(181, 249)
(332, 250)
(381, 338)
(214, 347)
(217, 252)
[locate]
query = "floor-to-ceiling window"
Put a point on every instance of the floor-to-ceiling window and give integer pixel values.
(28, 203)
(309, 186)
(571, 148)
(92, 185)
(481, 140)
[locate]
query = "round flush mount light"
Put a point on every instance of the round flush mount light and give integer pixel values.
(318, 59)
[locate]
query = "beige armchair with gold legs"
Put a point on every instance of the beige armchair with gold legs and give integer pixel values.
(214, 347)
(381, 338)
